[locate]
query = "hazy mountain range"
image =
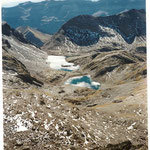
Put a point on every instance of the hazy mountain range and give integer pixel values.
(48, 16)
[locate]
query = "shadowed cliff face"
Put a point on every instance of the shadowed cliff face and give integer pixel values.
(86, 30)
(129, 24)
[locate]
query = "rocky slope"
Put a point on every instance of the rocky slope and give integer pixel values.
(35, 37)
(45, 16)
(115, 66)
(41, 112)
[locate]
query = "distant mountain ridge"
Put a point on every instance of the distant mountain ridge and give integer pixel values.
(86, 30)
(48, 16)
(129, 24)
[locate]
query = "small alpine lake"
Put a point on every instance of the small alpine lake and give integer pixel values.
(83, 81)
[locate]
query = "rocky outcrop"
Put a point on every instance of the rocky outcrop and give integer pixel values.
(34, 36)
(141, 49)
(127, 145)
(8, 31)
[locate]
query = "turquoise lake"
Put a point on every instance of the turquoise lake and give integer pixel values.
(84, 81)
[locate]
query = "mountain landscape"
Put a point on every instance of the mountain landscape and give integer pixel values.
(45, 17)
(82, 88)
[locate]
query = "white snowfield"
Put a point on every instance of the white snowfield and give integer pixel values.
(60, 63)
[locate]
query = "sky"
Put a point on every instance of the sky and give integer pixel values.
(10, 3)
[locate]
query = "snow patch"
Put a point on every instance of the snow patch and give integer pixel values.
(21, 124)
(59, 63)
(50, 115)
(131, 127)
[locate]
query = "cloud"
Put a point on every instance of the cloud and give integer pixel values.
(11, 3)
